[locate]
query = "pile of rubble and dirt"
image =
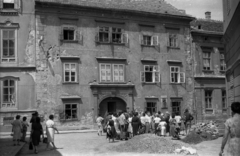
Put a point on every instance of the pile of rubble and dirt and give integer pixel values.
(149, 143)
(202, 132)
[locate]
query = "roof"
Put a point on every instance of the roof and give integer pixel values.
(147, 6)
(207, 25)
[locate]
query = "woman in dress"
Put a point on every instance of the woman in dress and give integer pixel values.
(232, 132)
(36, 133)
(17, 128)
(130, 128)
(50, 130)
(135, 123)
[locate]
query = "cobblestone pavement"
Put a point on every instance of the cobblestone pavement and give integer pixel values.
(89, 144)
(7, 148)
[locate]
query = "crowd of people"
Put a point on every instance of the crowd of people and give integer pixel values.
(125, 125)
(19, 131)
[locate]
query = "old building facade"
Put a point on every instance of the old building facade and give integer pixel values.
(209, 69)
(231, 11)
(17, 60)
(97, 57)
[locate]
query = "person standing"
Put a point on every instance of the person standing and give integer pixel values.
(50, 131)
(122, 119)
(135, 123)
(17, 128)
(166, 118)
(143, 123)
(148, 122)
(25, 125)
(187, 118)
(99, 121)
(36, 133)
(156, 121)
(232, 132)
(130, 128)
(178, 119)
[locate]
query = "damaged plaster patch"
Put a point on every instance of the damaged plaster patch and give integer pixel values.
(29, 52)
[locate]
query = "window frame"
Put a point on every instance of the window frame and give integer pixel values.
(15, 95)
(110, 33)
(177, 107)
(223, 65)
(173, 38)
(150, 109)
(65, 104)
(76, 72)
(207, 104)
(7, 60)
(180, 79)
(209, 59)
(154, 41)
(224, 99)
(112, 76)
(155, 74)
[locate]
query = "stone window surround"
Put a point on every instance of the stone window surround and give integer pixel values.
(8, 25)
(180, 75)
(112, 72)
(16, 79)
(155, 74)
(11, 11)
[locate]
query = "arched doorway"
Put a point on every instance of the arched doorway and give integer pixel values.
(111, 105)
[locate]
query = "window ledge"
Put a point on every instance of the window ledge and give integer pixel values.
(9, 12)
(69, 41)
(112, 82)
(175, 83)
(110, 43)
(70, 83)
(147, 45)
(150, 83)
(173, 47)
(207, 71)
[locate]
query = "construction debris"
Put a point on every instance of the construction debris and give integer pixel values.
(186, 151)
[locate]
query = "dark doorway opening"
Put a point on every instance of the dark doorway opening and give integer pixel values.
(176, 107)
(111, 107)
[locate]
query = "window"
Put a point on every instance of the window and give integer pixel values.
(176, 107)
(206, 61)
(111, 72)
(173, 40)
(70, 72)
(147, 40)
(111, 35)
(208, 99)
(164, 102)
(70, 111)
(222, 63)
(150, 74)
(151, 107)
(8, 93)
(224, 102)
(8, 46)
(70, 33)
(176, 76)
(8, 4)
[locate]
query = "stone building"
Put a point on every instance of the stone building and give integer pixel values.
(17, 60)
(95, 57)
(231, 11)
(209, 69)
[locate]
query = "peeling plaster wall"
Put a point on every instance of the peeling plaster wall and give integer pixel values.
(49, 76)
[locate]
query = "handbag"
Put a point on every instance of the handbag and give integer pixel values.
(30, 145)
(45, 140)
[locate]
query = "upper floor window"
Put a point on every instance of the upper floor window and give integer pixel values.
(111, 35)
(147, 40)
(176, 76)
(112, 72)
(70, 72)
(208, 99)
(12, 6)
(206, 61)
(8, 42)
(70, 33)
(8, 93)
(8, 4)
(150, 74)
(224, 100)
(173, 40)
(222, 63)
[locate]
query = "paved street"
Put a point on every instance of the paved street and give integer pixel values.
(89, 144)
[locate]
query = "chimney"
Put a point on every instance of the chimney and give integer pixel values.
(208, 15)
(182, 11)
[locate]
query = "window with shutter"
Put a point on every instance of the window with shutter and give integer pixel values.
(176, 76)
(206, 61)
(111, 72)
(150, 74)
(154, 41)
(70, 72)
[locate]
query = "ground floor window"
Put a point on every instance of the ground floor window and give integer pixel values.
(224, 103)
(152, 107)
(208, 99)
(8, 93)
(70, 111)
(176, 107)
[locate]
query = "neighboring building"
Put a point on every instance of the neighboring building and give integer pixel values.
(231, 12)
(110, 55)
(209, 69)
(17, 60)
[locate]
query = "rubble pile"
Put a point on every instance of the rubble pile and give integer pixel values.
(202, 132)
(148, 143)
(186, 151)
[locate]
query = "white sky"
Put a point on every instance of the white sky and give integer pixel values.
(197, 8)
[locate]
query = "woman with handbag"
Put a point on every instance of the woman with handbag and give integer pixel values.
(50, 131)
(36, 133)
(16, 129)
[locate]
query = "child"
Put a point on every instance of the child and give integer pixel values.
(24, 128)
(111, 131)
(99, 123)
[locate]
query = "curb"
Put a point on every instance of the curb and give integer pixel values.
(15, 153)
(4, 134)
